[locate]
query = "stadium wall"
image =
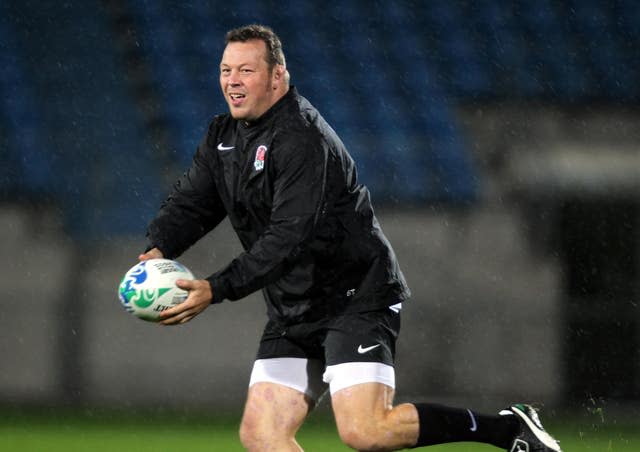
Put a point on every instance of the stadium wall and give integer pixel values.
(475, 286)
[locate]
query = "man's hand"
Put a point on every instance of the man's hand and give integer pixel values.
(199, 299)
(153, 253)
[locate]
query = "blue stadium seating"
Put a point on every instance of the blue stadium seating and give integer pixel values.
(25, 164)
(103, 173)
(462, 51)
(162, 44)
(386, 75)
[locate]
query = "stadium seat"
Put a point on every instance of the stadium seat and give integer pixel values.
(95, 144)
(26, 165)
(387, 79)
(187, 113)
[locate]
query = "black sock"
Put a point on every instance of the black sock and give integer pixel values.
(440, 424)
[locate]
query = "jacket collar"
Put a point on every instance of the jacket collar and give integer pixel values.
(279, 106)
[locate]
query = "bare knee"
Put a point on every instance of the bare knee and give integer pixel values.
(255, 438)
(382, 430)
(364, 434)
(250, 433)
(258, 433)
(272, 416)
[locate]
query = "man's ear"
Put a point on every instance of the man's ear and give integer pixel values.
(279, 74)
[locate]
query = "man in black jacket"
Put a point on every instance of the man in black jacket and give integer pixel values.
(329, 276)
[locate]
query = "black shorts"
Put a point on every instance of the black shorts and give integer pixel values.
(358, 337)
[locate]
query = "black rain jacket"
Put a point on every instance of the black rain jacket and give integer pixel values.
(312, 242)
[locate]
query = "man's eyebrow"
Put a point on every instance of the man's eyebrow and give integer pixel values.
(239, 65)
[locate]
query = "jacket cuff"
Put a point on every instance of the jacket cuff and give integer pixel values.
(217, 290)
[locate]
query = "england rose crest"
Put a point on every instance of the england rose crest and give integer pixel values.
(258, 163)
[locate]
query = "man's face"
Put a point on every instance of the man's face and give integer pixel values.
(245, 79)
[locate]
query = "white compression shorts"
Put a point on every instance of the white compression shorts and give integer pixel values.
(311, 378)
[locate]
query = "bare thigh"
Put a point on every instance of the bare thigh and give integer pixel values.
(272, 416)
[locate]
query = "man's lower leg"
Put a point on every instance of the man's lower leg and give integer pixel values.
(440, 424)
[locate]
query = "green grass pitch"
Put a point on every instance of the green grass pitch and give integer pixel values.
(107, 433)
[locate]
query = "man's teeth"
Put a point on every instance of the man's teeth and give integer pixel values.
(236, 96)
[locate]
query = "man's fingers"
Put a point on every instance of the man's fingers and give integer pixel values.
(153, 253)
(185, 284)
(178, 313)
(180, 317)
(197, 301)
(174, 311)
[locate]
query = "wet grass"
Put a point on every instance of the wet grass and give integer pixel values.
(53, 432)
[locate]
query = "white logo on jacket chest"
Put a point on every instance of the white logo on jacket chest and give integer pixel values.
(222, 148)
(258, 163)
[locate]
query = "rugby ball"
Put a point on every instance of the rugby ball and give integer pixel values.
(149, 288)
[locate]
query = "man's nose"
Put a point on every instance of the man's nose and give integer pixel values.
(233, 80)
